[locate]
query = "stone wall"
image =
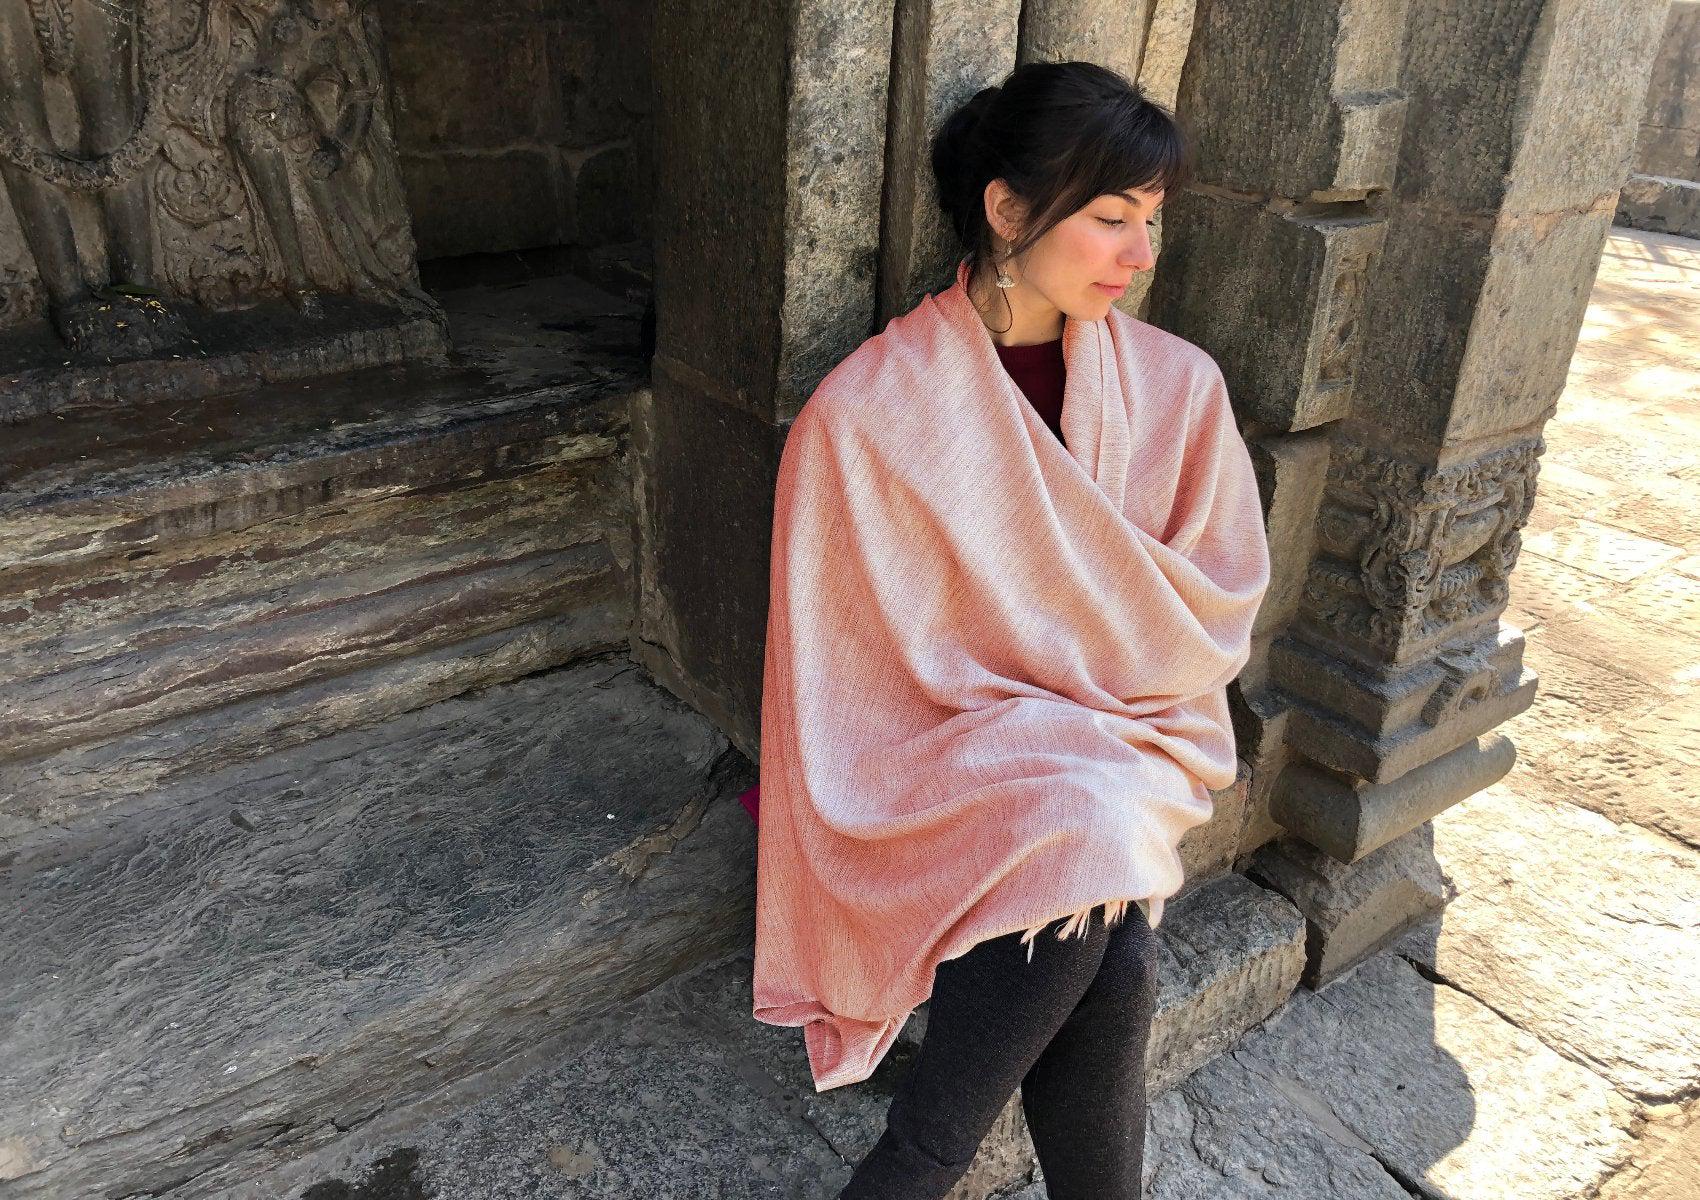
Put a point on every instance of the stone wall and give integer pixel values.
(522, 123)
(1664, 192)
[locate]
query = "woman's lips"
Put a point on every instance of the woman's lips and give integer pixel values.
(1110, 289)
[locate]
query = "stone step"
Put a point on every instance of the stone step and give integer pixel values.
(177, 558)
(237, 969)
(681, 1093)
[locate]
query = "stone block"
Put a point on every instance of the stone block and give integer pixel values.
(611, 197)
(464, 203)
(1296, 100)
(1231, 953)
(772, 190)
(1209, 849)
(943, 53)
(302, 942)
(1167, 40)
(309, 554)
(1452, 1099)
(1291, 471)
(1380, 724)
(468, 87)
(1111, 33)
(1348, 819)
(1518, 109)
(1579, 930)
(1660, 205)
(704, 499)
(1352, 911)
(1277, 298)
(601, 72)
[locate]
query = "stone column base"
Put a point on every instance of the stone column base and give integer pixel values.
(1353, 910)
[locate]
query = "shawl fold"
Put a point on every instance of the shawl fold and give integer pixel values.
(993, 689)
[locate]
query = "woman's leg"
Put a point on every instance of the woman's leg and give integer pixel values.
(990, 1016)
(1084, 1098)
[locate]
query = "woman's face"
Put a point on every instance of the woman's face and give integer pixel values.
(1106, 242)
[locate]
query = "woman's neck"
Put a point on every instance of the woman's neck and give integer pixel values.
(1028, 323)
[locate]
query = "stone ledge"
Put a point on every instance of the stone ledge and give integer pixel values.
(241, 968)
(684, 1093)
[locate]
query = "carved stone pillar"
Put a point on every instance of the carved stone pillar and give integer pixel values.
(1389, 252)
(770, 128)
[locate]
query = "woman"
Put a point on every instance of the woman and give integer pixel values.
(1017, 553)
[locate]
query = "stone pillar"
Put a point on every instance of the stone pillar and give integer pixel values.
(1398, 219)
(1108, 32)
(1663, 193)
(770, 128)
(944, 52)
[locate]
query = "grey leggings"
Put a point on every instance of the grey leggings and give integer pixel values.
(1069, 1028)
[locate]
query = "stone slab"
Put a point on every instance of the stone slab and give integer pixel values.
(1352, 910)
(1457, 1102)
(275, 954)
(1582, 931)
(689, 1056)
(268, 343)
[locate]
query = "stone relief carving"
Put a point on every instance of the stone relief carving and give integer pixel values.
(212, 152)
(1409, 553)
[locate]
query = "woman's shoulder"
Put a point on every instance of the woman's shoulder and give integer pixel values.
(1165, 360)
(878, 379)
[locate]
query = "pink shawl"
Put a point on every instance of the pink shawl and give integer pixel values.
(995, 672)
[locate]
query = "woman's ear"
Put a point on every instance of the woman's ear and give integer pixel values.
(1004, 210)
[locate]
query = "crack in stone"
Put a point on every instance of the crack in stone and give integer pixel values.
(1315, 1108)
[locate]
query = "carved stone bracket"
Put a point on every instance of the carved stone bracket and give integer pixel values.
(1411, 557)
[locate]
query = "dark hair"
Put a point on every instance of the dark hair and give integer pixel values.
(1060, 134)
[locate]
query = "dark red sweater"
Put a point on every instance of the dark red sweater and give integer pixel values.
(1038, 372)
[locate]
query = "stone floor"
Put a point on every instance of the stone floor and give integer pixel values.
(1540, 1039)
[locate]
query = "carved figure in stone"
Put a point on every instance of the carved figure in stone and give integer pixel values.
(92, 53)
(301, 121)
(1412, 552)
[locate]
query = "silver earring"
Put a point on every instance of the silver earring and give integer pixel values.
(1004, 281)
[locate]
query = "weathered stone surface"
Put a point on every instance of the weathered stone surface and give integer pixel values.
(1297, 100)
(269, 343)
(1538, 102)
(1291, 471)
(1353, 910)
(1225, 1134)
(217, 552)
(790, 175)
(689, 1056)
(1660, 204)
(942, 54)
(703, 552)
(1209, 849)
(1231, 955)
(1348, 820)
(82, 780)
(1276, 297)
(295, 944)
(1167, 39)
(1666, 1161)
(1380, 724)
(466, 202)
(1108, 32)
(164, 164)
(1584, 934)
(1670, 117)
(1457, 1102)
